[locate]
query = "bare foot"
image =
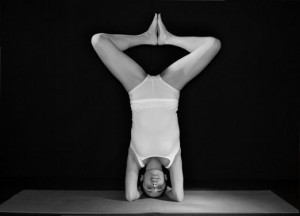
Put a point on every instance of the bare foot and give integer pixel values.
(163, 34)
(151, 33)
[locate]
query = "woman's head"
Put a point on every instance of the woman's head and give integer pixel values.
(153, 182)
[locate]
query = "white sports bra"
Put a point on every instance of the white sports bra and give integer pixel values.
(155, 129)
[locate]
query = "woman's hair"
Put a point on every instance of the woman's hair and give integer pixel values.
(140, 183)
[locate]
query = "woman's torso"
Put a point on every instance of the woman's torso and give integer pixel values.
(155, 130)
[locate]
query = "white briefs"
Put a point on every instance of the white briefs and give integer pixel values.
(155, 129)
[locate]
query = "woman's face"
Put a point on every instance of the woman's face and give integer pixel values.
(154, 182)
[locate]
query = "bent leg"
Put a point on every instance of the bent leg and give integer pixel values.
(109, 48)
(202, 51)
(124, 42)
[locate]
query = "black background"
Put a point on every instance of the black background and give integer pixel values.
(66, 118)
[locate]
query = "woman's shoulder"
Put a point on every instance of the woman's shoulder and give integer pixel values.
(178, 154)
(133, 156)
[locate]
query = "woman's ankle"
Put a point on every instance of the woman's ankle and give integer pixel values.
(149, 38)
(169, 39)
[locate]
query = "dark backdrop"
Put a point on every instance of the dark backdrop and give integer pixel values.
(65, 116)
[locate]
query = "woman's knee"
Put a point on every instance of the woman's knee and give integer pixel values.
(96, 38)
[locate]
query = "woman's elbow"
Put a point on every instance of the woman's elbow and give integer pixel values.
(130, 197)
(179, 197)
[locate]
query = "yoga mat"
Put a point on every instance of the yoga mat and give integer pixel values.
(113, 202)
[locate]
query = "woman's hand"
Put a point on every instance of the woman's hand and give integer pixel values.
(168, 189)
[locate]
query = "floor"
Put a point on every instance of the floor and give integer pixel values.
(114, 202)
(287, 190)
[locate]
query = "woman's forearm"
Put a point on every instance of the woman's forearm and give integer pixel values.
(134, 196)
(172, 196)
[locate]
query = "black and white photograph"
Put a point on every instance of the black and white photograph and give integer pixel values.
(149, 107)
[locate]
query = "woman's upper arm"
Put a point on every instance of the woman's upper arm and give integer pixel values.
(176, 175)
(131, 179)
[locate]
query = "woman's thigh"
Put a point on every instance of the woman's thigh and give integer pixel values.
(124, 68)
(185, 69)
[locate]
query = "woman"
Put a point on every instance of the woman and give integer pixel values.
(154, 101)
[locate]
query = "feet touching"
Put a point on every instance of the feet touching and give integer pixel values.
(151, 33)
(163, 33)
(157, 33)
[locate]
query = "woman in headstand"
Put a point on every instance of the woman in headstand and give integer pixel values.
(154, 102)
